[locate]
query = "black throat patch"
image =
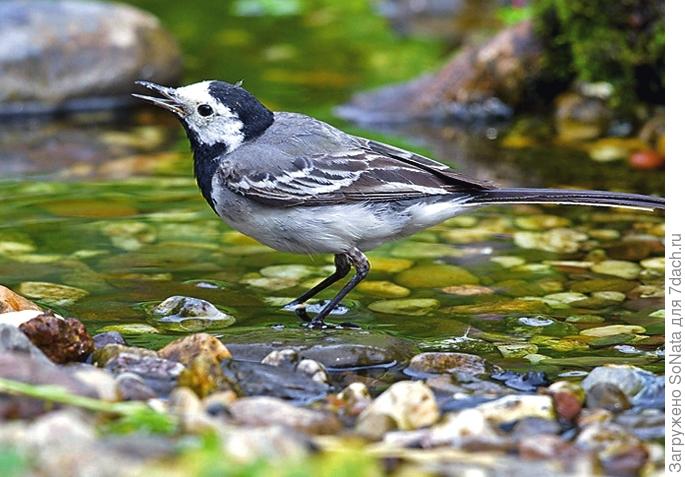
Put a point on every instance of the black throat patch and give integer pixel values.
(206, 161)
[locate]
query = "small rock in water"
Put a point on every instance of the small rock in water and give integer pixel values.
(524, 382)
(611, 330)
(109, 337)
(188, 348)
(62, 340)
(618, 268)
(405, 405)
(264, 411)
(568, 400)
(555, 240)
(442, 362)
(194, 312)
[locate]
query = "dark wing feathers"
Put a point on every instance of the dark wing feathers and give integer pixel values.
(371, 172)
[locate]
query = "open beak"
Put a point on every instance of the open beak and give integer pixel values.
(167, 97)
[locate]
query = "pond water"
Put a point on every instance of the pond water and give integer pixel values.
(106, 203)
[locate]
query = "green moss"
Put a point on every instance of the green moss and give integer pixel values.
(620, 42)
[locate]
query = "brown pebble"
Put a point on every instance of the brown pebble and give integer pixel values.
(61, 340)
(186, 349)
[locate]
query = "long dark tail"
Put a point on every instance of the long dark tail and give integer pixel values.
(565, 197)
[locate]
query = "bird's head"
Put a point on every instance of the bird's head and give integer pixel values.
(215, 114)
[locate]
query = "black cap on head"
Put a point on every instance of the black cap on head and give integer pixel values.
(256, 117)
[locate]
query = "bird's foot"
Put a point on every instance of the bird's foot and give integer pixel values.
(322, 325)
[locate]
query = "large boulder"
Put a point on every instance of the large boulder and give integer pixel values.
(479, 82)
(65, 54)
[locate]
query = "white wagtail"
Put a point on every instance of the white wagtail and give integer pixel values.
(300, 185)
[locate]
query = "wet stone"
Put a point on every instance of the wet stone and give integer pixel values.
(443, 362)
(524, 382)
(158, 374)
(256, 379)
(190, 313)
(131, 387)
(267, 411)
(339, 351)
(100, 340)
(62, 340)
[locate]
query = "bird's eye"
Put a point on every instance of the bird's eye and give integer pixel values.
(205, 110)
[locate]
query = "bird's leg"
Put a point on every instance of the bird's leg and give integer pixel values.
(342, 268)
(361, 267)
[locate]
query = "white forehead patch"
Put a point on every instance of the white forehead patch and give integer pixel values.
(223, 126)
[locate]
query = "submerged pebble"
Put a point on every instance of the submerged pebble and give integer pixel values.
(53, 294)
(407, 307)
(190, 313)
(435, 276)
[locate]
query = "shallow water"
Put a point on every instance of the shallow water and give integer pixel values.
(107, 204)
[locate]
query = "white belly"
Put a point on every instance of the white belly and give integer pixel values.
(330, 229)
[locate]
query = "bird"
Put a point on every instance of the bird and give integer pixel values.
(300, 185)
